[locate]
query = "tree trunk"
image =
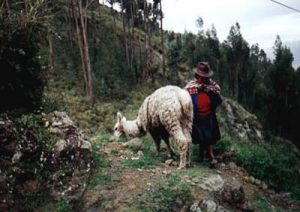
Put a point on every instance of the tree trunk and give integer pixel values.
(145, 73)
(86, 56)
(132, 11)
(162, 39)
(80, 46)
(26, 6)
(112, 11)
(84, 50)
(124, 33)
(7, 7)
(50, 43)
(236, 83)
(51, 52)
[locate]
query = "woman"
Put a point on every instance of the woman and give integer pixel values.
(206, 98)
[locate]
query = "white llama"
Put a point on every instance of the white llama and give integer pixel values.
(166, 112)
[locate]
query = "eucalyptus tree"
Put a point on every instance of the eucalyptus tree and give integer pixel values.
(79, 11)
(237, 54)
(282, 90)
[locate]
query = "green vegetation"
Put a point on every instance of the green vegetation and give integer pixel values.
(36, 200)
(149, 159)
(271, 162)
(120, 64)
(168, 195)
(21, 78)
(260, 203)
(100, 179)
(63, 206)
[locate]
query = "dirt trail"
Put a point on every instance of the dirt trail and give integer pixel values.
(128, 182)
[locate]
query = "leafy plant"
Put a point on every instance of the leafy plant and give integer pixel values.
(63, 206)
(271, 162)
(168, 195)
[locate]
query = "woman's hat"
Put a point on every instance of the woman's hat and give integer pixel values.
(203, 69)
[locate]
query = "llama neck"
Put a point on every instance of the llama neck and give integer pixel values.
(132, 128)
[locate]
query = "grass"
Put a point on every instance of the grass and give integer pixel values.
(259, 160)
(149, 158)
(167, 195)
(260, 203)
(63, 206)
(36, 200)
(100, 179)
(98, 159)
(271, 162)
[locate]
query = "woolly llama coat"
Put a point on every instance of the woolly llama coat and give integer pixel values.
(166, 112)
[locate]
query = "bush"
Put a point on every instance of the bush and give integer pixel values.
(271, 162)
(21, 81)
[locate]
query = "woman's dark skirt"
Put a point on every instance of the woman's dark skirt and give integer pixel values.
(205, 129)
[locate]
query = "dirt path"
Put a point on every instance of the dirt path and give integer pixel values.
(119, 192)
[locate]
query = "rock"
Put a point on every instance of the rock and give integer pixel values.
(208, 205)
(56, 124)
(169, 162)
(233, 193)
(175, 163)
(251, 179)
(112, 138)
(135, 144)
(220, 208)
(257, 182)
(210, 183)
(222, 165)
(244, 124)
(62, 168)
(264, 186)
(86, 145)
(245, 206)
(195, 207)
(232, 166)
(59, 146)
(107, 195)
(140, 153)
(246, 179)
(16, 157)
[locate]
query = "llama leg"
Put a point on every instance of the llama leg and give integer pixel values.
(183, 146)
(171, 153)
(156, 137)
(187, 134)
(165, 136)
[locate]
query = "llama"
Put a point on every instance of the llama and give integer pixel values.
(168, 111)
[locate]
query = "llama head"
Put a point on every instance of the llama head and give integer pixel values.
(119, 126)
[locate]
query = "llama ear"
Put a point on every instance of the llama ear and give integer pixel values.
(119, 117)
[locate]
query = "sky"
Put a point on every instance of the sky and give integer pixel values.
(260, 20)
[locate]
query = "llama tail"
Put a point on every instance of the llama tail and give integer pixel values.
(187, 106)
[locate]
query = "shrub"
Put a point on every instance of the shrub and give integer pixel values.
(271, 162)
(21, 80)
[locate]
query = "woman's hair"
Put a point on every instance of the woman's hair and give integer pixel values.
(205, 80)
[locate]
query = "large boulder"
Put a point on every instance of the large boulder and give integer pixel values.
(240, 122)
(42, 152)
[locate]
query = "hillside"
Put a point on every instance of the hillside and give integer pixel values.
(57, 149)
(127, 175)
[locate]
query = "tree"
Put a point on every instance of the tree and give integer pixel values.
(79, 14)
(237, 53)
(281, 78)
(21, 79)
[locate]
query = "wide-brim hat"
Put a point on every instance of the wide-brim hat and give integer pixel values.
(203, 69)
